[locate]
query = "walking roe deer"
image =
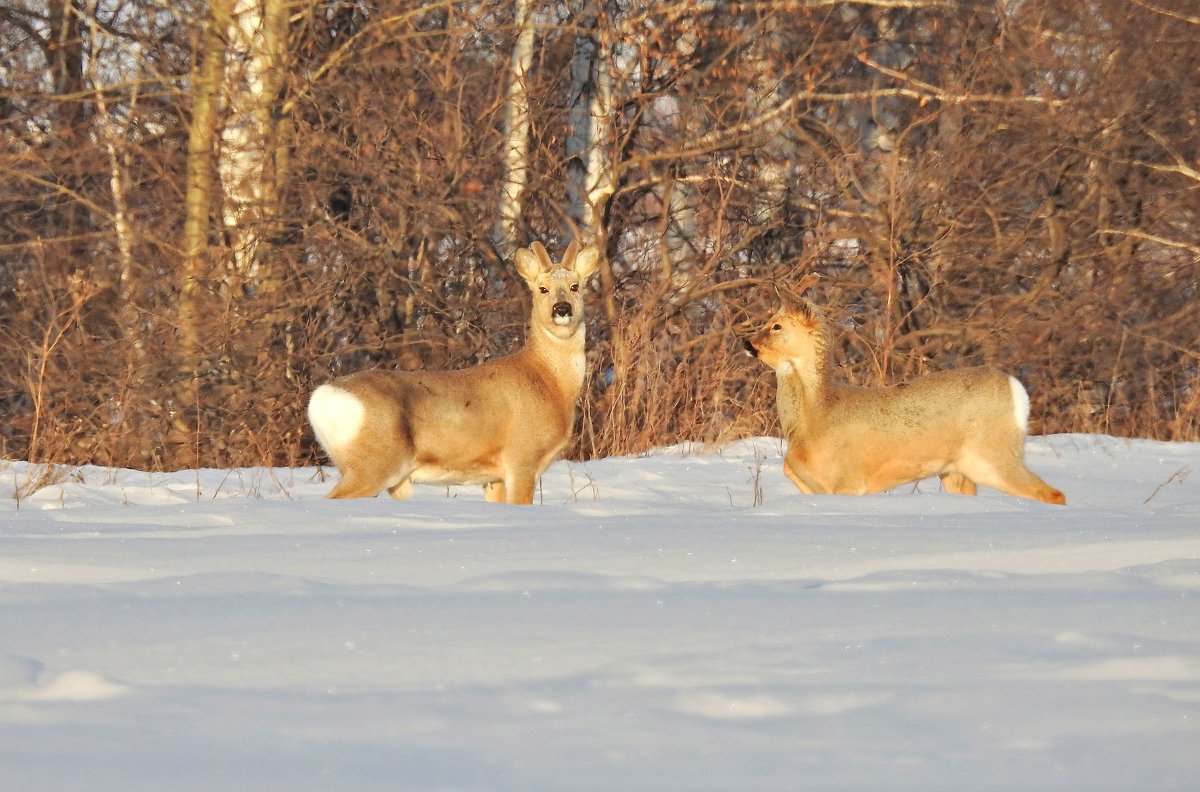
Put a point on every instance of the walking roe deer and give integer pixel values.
(965, 425)
(499, 424)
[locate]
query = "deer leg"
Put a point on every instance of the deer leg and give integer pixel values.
(402, 490)
(1023, 482)
(958, 483)
(1009, 475)
(495, 492)
(519, 486)
(357, 484)
(796, 472)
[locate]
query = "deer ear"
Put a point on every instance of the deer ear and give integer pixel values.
(809, 309)
(792, 299)
(586, 261)
(543, 257)
(568, 256)
(528, 264)
(789, 302)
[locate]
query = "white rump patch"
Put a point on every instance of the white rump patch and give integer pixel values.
(336, 416)
(1020, 401)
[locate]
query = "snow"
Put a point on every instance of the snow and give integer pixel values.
(683, 620)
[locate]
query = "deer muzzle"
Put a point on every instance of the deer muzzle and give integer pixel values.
(561, 313)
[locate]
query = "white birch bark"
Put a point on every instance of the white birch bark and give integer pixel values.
(601, 177)
(591, 178)
(516, 143)
(763, 99)
(678, 232)
(111, 137)
(254, 63)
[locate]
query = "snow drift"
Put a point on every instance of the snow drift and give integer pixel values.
(684, 620)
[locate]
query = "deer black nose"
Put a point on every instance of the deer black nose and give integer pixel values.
(561, 309)
(749, 345)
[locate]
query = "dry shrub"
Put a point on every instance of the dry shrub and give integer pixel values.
(662, 388)
(1035, 212)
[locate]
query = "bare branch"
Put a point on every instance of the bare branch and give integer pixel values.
(923, 91)
(1191, 20)
(1161, 240)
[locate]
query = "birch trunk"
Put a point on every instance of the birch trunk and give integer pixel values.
(579, 137)
(592, 179)
(678, 232)
(117, 182)
(763, 101)
(601, 178)
(250, 161)
(516, 141)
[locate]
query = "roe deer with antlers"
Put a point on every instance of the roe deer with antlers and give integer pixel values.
(499, 424)
(965, 425)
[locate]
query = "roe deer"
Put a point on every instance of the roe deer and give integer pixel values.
(499, 424)
(965, 425)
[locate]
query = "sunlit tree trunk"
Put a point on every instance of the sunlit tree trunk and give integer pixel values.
(112, 138)
(601, 179)
(516, 139)
(251, 149)
(590, 142)
(763, 99)
(579, 137)
(677, 235)
(199, 198)
(235, 161)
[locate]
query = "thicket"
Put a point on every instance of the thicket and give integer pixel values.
(190, 241)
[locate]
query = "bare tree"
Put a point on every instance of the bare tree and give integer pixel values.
(517, 122)
(253, 152)
(199, 221)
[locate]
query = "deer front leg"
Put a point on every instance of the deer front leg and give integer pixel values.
(519, 485)
(402, 490)
(495, 492)
(797, 479)
(958, 483)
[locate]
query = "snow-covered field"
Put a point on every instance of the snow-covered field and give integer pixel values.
(678, 621)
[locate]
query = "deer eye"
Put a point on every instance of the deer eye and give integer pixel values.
(574, 287)
(777, 326)
(543, 290)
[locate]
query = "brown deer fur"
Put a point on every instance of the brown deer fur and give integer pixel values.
(499, 424)
(966, 426)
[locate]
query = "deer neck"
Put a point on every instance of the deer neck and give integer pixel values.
(563, 360)
(802, 395)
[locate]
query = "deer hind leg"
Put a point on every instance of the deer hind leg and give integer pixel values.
(1008, 474)
(957, 483)
(1027, 484)
(356, 483)
(365, 479)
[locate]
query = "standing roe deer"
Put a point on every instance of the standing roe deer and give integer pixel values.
(965, 425)
(499, 424)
